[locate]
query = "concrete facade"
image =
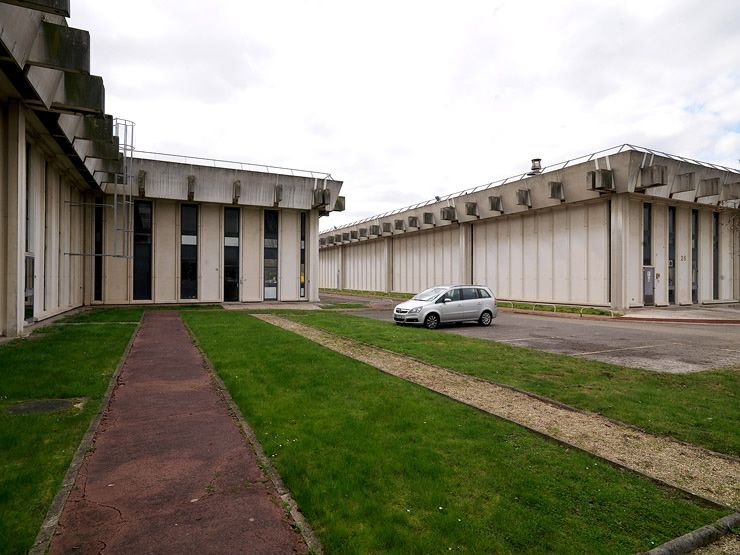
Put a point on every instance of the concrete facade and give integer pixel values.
(558, 236)
(63, 160)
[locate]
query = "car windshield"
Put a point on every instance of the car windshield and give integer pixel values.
(429, 294)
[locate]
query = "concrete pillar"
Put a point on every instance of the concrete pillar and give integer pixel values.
(620, 222)
(312, 252)
(14, 215)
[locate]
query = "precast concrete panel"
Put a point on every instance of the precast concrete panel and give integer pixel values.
(289, 253)
(660, 252)
(545, 255)
(683, 255)
(442, 246)
(516, 257)
(51, 250)
(166, 243)
(705, 255)
(210, 249)
(578, 227)
(559, 248)
(64, 245)
(634, 254)
(529, 256)
(726, 253)
(598, 253)
(251, 255)
(115, 269)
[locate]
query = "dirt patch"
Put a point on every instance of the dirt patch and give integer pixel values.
(729, 545)
(688, 467)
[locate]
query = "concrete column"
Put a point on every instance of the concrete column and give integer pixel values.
(312, 256)
(15, 222)
(620, 222)
(88, 242)
(466, 253)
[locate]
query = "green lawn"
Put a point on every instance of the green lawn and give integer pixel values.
(335, 306)
(701, 408)
(36, 449)
(381, 465)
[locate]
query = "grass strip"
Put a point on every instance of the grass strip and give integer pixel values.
(335, 306)
(701, 408)
(36, 449)
(129, 313)
(381, 465)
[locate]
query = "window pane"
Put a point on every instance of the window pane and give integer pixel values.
(189, 251)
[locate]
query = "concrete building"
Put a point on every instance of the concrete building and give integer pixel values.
(84, 219)
(626, 227)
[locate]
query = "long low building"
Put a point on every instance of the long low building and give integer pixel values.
(621, 228)
(85, 219)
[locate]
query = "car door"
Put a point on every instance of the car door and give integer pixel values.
(453, 310)
(472, 303)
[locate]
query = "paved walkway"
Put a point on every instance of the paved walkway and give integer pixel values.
(685, 466)
(171, 471)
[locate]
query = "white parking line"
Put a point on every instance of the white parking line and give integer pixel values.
(625, 349)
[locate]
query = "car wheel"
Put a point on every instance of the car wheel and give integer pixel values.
(485, 319)
(431, 321)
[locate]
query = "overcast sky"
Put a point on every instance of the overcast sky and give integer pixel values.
(407, 100)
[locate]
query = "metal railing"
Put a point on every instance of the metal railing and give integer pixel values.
(229, 164)
(547, 169)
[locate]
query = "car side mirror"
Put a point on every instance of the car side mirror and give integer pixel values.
(447, 300)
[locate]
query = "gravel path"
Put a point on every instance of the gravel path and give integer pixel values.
(685, 466)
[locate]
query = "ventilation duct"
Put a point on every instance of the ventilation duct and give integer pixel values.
(471, 209)
(653, 176)
(600, 180)
(524, 198)
(557, 191)
(428, 218)
(708, 187)
(413, 222)
(398, 224)
(387, 227)
(375, 230)
(536, 167)
(448, 214)
(496, 204)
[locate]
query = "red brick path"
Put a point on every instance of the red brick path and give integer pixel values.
(171, 471)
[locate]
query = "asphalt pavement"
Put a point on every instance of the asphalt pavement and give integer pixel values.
(663, 346)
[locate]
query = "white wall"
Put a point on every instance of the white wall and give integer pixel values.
(557, 255)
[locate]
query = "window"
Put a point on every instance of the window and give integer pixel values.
(231, 253)
(454, 294)
(647, 239)
(483, 294)
(469, 293)
(188, 251)
(142, 250)
(715, 255)
(271, 256)
(302, 276)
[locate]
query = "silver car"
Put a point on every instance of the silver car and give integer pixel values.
(448, 303)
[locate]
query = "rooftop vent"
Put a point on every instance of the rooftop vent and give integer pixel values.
(354, 235)
(363, 232)
(413, 221)
(471, 209)
(536, 167)
(495, 203)
(429, 218)
(557, 191)
(448, 214)
(375, 230)
(524, 198)
(399, 225)
(600, 180)
(387, 227)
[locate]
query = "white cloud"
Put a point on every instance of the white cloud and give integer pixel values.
(406, 100)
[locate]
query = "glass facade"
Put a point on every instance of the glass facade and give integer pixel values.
(271, 256)
(647, 234)
(188, 251)
(231, 253)
(142, 250)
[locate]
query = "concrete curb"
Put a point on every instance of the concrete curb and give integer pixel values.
(307, 533)
(698, 538)
(48, 527)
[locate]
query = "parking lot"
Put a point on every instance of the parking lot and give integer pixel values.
(662, 346)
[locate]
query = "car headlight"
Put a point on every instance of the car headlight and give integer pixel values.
(415, 310)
